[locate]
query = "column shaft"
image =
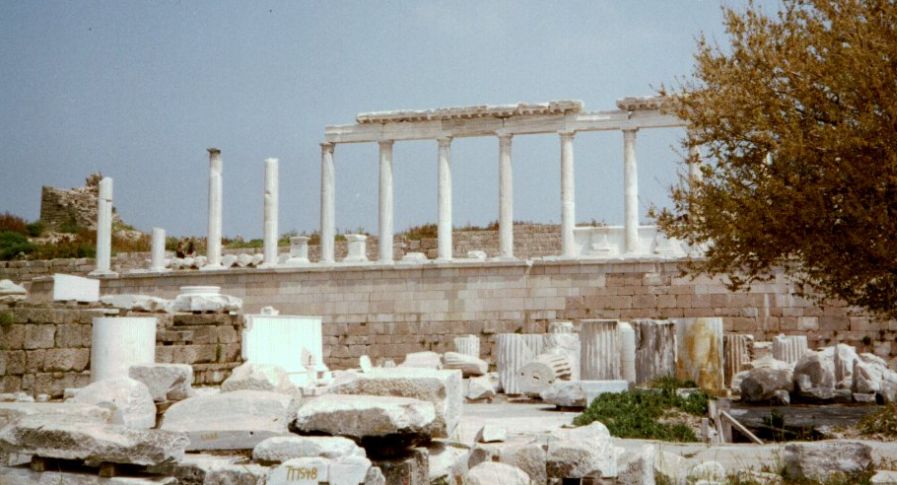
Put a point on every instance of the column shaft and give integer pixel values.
(505, 198)
(328, 203)
(158, 250)
(213, 243)
(270, 211)
(568, 198)
(444, 199)
(386, 202)
(630, 192)
(104, 228)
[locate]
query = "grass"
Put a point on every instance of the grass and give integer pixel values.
(639, 413)
(880, 423)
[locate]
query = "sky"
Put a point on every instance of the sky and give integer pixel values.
(139, 90)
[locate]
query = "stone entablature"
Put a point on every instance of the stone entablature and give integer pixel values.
(469, 112)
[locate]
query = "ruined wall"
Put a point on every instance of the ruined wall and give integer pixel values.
(530, 241)
(46, 348)
(78, 206)
(388, 311)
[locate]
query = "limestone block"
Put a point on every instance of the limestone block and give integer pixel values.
(10, 411)
(423, 360)
(10, 292)
(700, 352)
(868, 371)
(205, 299)
(491, 434)
(137, 303)
(582, 452)
(364, 416)
(479, 388)
(489, 473)
(39, 336)
(229, 420)
(636, 466)
(655, 349)
(166, 382)
(75, 288)
(83, 438)
(627, 352)
(468, 345)
(442, 388)
(411, 467)
(130, 400)
(820, 460)
(529, 457)
(708, 471)
(312, 469)
(789, 348)
(447, 462)
(739, 352)
(258, 377)
(513, 351)
(468, 365)
(766, 378)
(669, 467)
(814, 374)
(279, 449)
(578, 394)
(600, 350)
(543, 371)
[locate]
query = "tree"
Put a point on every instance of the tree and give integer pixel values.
(796, 120)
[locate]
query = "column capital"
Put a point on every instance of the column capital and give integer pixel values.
(327, 145)
(213, 151)
(567, 133)
(503, 135)
(630, 133)
(444, 141)
(385, 143)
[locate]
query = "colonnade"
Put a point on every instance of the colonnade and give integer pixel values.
(505, 197)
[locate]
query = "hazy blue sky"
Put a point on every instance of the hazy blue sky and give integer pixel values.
(139, 90)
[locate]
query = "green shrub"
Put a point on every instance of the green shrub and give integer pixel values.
(637, 413)
(81, 245)
(6, 319)
(35, 229)
(425, 231)
(882, 422)
(12, 244)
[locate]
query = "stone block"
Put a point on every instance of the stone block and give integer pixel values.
(40, 336)
(130, 401)
(166, 382)
(75, 288)
(66, 359)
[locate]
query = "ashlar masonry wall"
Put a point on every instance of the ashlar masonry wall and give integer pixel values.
(386, 311)
(46, 348)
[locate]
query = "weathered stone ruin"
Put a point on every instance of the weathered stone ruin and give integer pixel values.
(72, 207)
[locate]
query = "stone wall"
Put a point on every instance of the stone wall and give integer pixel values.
(45, 349)
(386, 311)
(530, 241)
(78, 206)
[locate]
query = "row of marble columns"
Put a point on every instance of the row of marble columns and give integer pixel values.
(505, 197)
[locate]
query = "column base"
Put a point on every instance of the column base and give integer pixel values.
(268, 265)
(159, 270)
(106, 273)
(505, 258)
(213, 267)
(293, 262)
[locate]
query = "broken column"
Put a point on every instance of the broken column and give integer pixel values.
(627, 352)
(562, 339)
(739, 351)
(700, 352)
(357, 248)
(789, 348)
(298, 251)
(655, 349)
(270, 213)
(468, 345)
(513, 351)
(117, 343)
(104, 229)
(213, 242)
(600, 350)
(540, 373)
(157, 261)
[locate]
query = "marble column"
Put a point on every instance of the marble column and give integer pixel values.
(468, 345)
(513, 351)
(739, 353)
(157, 261)
(444, 199)
(630, 192)
(655, 349)
(627, 352)
(568, 198)
(104, 229)
(386, 202)
(505, 198)
(213, 242)
(789, 348)
(600, 350)
(328, 203)
(271, 195)
(699, 356)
